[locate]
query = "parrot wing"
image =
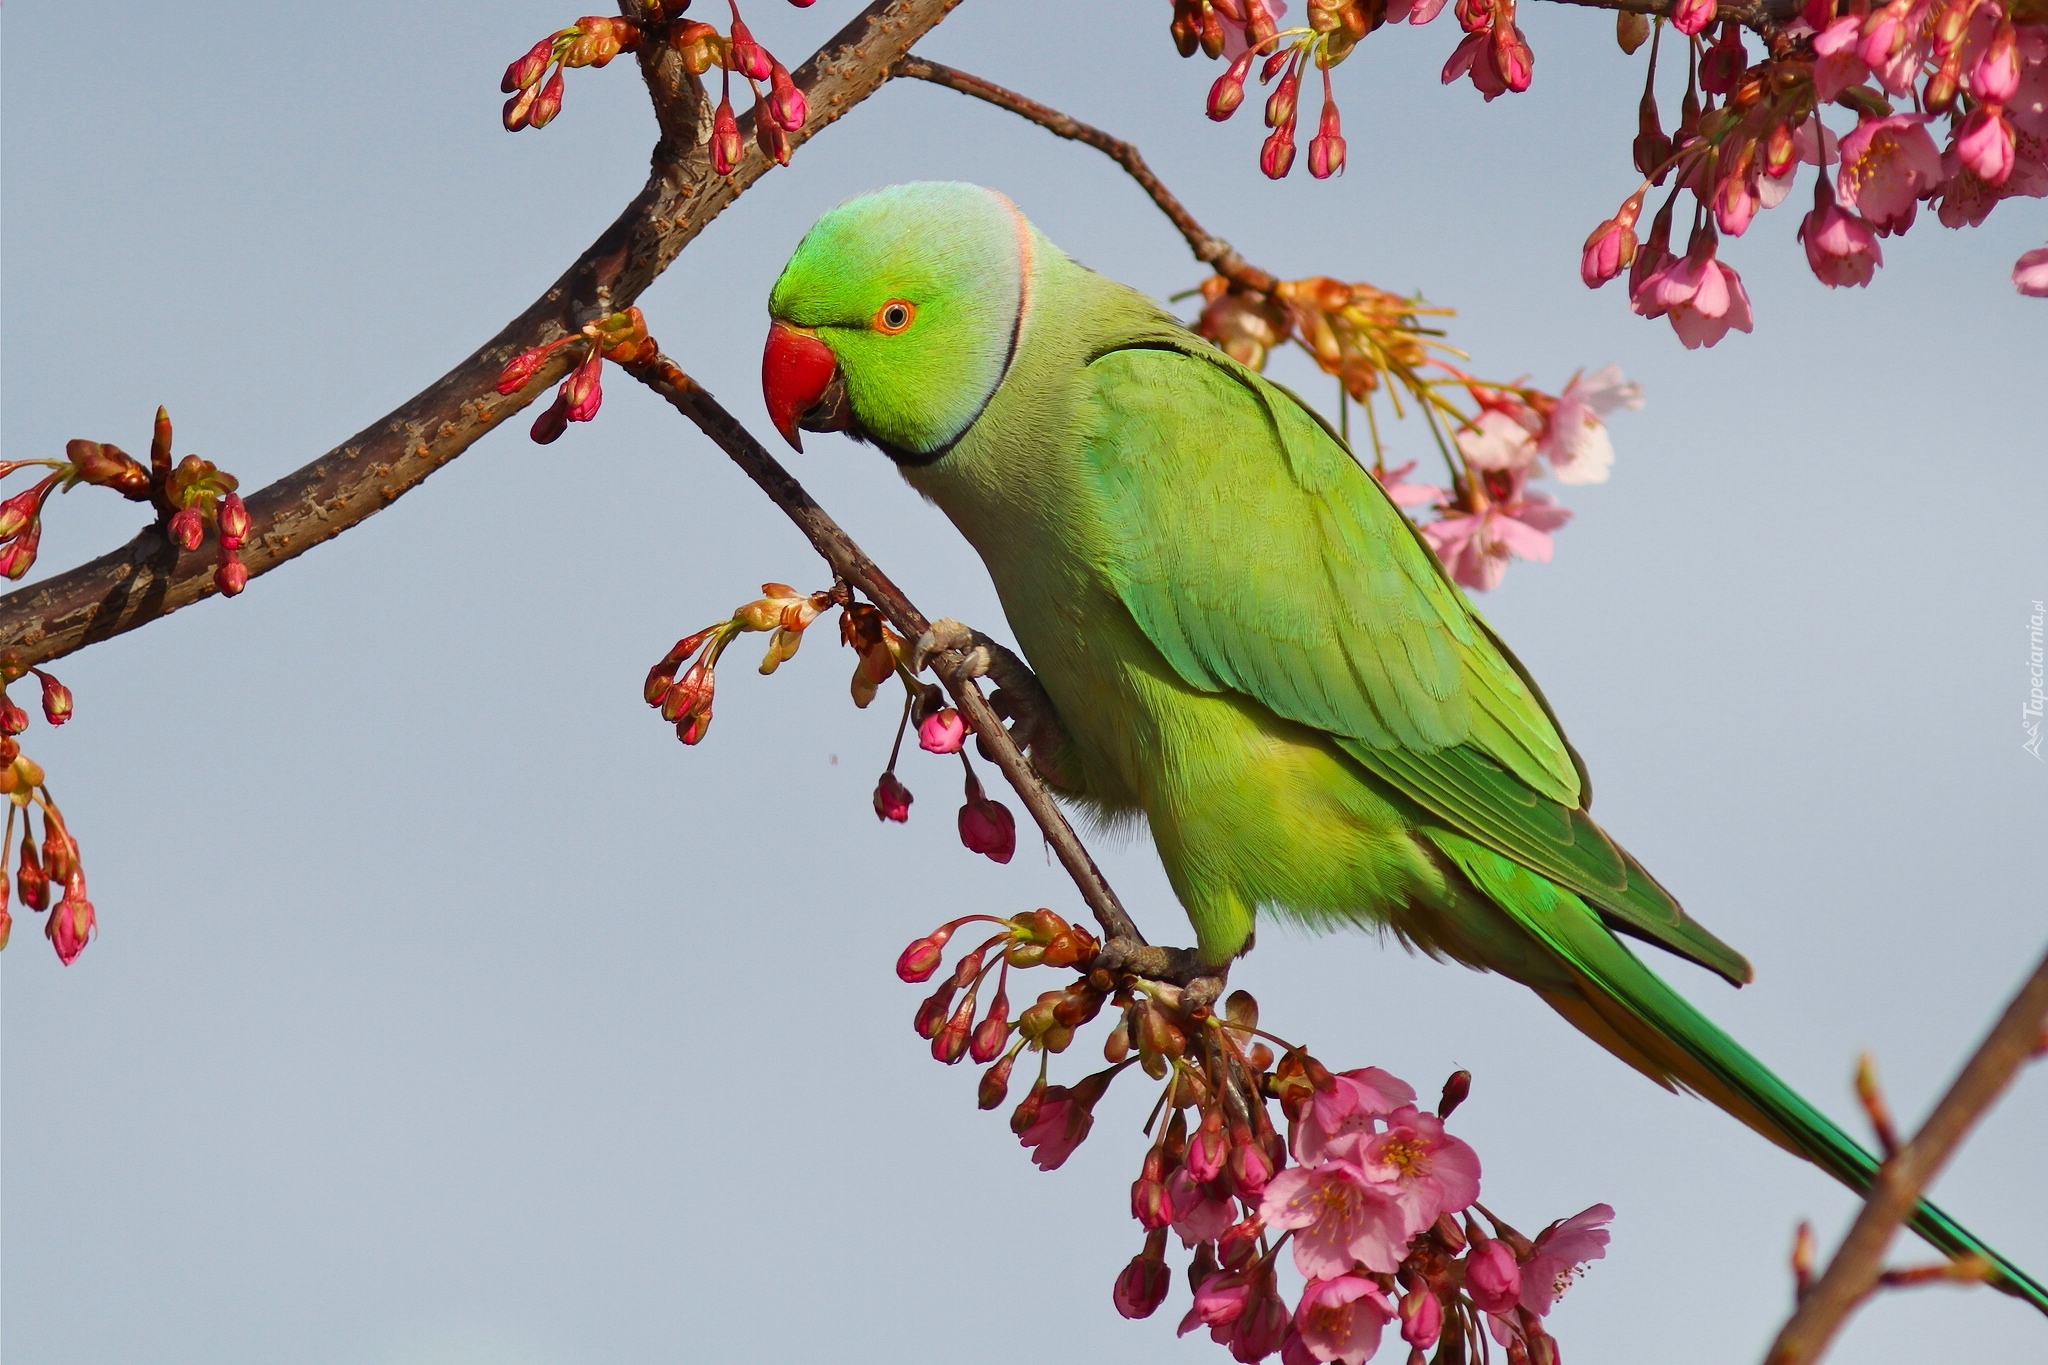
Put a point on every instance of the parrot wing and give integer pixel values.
(1260, 558)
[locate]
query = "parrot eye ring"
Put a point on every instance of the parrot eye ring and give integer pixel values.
(895, 316)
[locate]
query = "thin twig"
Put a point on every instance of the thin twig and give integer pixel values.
(1755, 15)
(149, 577)
(1213, 251)
(1858, 1262)
(849, 562)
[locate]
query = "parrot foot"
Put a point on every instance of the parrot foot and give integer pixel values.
(1199, 985)
(1019, 697)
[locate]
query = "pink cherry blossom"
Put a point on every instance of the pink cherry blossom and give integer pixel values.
(1562, 1251)
(1341, 1319)
(2030, 273)
(1219, 1302)
(1200, 1209)
(1574, 437)
(1403, 493)
(1515, 521)
(1492, 1278)
(1422, 1318)
(1064, 1119)
(1339, 1218)
(1232, 15)
(1142, 1286)
(1895, 44)
(1887, 165)
(987, 827)
(1348, 1106)
(1501, 441)
(1840, 247)
(1702, 296)
(1473, 57)
(1841, 65)
(1414, 11)
(1427, 1171)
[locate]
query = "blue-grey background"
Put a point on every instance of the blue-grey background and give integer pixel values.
(446, 1011)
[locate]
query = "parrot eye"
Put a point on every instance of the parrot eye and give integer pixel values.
(895, 315)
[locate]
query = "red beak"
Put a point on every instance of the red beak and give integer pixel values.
(797, 371)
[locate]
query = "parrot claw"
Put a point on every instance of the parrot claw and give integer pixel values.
(1018, 697)
(947, 635)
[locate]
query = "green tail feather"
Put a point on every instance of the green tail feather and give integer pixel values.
(1625, 1006)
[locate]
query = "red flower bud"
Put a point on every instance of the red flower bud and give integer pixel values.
(1149, 1203)
(19, 511)
(892, 802)
(34, 885)
(553, 421)
(773, 142)
(786, 103)
(992, 1032)
(1276, 155)
(186, 529)
(995, 1084)
(1280, 105)
(1326, 148)
(60, 854)
(584, 388)
(56, 699)
(987, 827)
(746, 56)
(1238, 1241)
(931, 1015)
(231, 521)
(923, 957)
(1228, 91)
(230, 575)
(70, 926)
(13, 719)
(107, 466)
(6, 920)
(951, 1044)
(1142, 1286)
(524, 73)
(1027, 1110)
(725, 137)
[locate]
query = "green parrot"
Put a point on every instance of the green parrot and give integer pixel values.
(1242, 639)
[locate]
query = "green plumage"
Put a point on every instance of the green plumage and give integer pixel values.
(1249, 645)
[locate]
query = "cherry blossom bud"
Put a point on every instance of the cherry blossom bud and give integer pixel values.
(13, 719)
(19, 555)
(60, 853)
(107, 466)
(1693, 16)
(1326, 148)
(746, 56)
(1456, 1087)
(995, 1084)
(1612, 245)
(1228, 91)
(1276, 154)
(1208, 1149)
(1995, 79)
(1028, 1109)
(725, 138)
(1187, 33)
(1422, 1317)
(923, 956)
(1725, 61)
(773, 142)
(553, 421)
(231, 521)
(951, 1044)
(785, 102)
(1149, 1203)
(987, 827)
(1491, 1276)
(1631, 30)
(1512, 57)
(942, 732)
(1249, 1168)
(548, 103)
(892, 802)
(70, 926)
(30, 878)
(230, 574)
(1263, 1324)
(523, 366)
(6, 920)
(56, 701)
(1281, 104)
(187, 529)
(1652, 148)
(690, 729)
(989, 1036)
(931, 1015)
(1239, 1242)
(1142, 1286)
(524, 73)
(1212, 33)
(584, 388)
(1985, 144)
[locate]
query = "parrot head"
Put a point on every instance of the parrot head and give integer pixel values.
(895, 319)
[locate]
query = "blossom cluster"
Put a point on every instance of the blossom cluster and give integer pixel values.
(681, 686)
(1974, 70)
(535, 86)
(54, 860)
(620, 337)
(1494, 438)
(1378, 1200)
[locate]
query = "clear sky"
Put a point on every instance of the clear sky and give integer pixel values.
(446, 1011)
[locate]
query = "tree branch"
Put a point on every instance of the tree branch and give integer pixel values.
(149, 577)
(1754, 15)
(849, 562)
(1212, 251)
(1857, 1263)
